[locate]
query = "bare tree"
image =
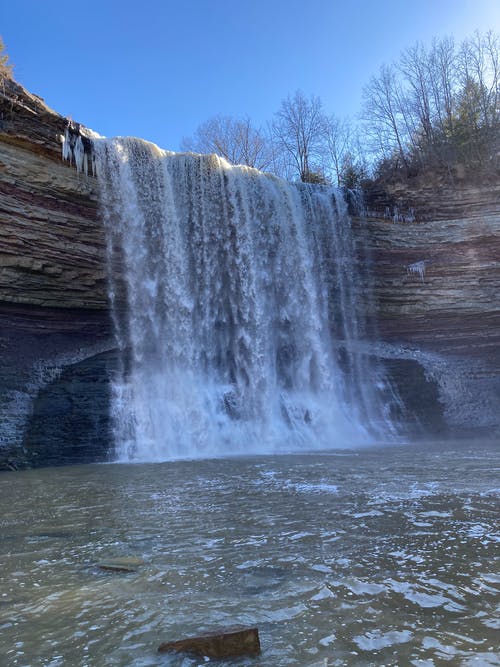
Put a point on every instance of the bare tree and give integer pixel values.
(438, 107)
(443, 79)
(338, 140)
(299, 135)
(480, 62)
(415, 68)
(386, 115)
(236, 140)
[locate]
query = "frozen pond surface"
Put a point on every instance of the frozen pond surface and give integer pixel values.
(383, 556)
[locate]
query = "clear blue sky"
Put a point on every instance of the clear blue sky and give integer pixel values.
(157, 69)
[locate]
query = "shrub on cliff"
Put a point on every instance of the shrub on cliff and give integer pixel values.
(5, 67)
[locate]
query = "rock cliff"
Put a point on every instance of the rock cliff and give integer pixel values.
(54, 315)
(435, 256)
(433, 295)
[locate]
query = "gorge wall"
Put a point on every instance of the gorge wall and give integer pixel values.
(433, 294)
(435, 256)
(55, 331)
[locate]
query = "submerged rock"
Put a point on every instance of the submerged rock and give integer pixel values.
(121, 564)
(225, 643)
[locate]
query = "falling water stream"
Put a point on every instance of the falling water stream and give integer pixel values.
(240, 323)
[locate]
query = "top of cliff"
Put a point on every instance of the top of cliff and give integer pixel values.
(25, 119)
(28, 122)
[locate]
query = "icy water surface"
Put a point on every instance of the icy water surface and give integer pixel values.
(384, 556)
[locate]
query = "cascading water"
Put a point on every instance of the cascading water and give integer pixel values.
(241, 327)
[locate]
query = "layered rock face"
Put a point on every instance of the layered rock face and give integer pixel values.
(54, 315)
(433, 259)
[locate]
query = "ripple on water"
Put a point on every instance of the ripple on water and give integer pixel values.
(333, 556)
(376, 640)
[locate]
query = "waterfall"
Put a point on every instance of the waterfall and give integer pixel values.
(235, 302)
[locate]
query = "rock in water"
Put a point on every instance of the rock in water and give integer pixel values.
(120, 564)
(225, 643)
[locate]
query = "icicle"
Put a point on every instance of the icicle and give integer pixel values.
(418, 268)
(66, 146)
(74, 148)
(94, 164)
(79, 154)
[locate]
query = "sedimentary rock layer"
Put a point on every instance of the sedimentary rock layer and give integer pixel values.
(435, 257)
(52, 247)
(54, 313)
(436, 283)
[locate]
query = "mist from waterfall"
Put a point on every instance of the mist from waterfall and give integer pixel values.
(242, 326)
